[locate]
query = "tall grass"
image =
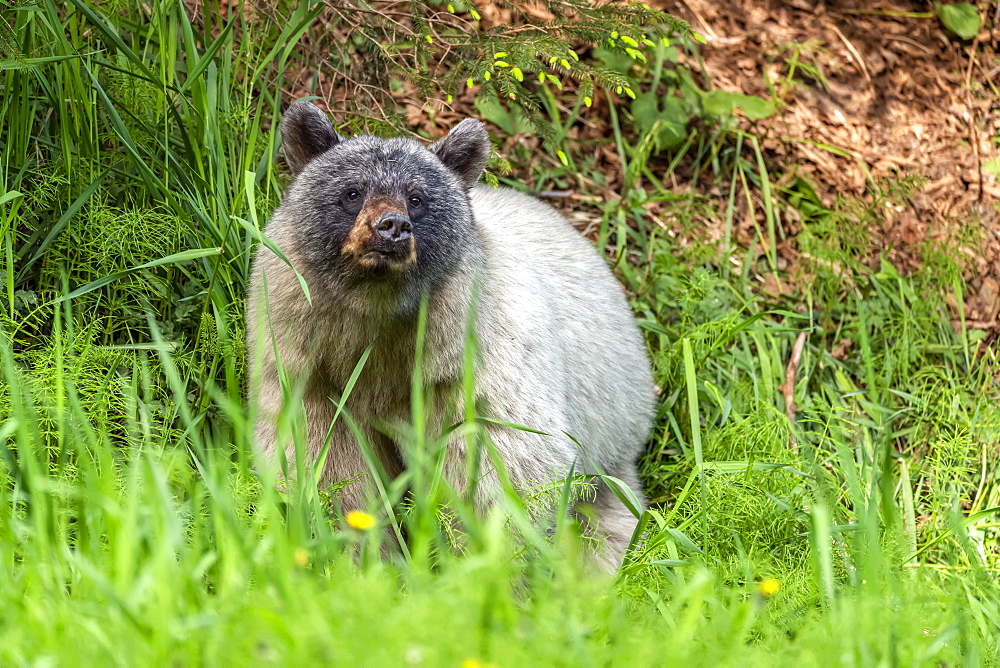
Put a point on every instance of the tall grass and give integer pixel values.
(137, 160)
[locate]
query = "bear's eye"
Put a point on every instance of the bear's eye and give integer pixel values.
(352, 195)
(415, 201)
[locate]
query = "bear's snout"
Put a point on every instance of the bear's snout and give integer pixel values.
(381, 238)
(393, 226)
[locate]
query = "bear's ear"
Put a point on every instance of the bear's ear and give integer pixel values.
(305, 133)
(464, 150)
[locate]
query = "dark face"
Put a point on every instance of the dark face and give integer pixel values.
(385, 214)
(380, 210)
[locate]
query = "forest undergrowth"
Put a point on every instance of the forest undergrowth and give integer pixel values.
(822, 474)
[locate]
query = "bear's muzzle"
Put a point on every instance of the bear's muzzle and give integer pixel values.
(381, 239)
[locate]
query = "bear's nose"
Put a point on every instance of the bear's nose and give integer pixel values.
(393, 226)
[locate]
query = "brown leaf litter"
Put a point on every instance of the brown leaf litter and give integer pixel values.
(892, 96)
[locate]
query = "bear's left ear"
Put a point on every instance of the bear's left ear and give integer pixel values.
(464, 151)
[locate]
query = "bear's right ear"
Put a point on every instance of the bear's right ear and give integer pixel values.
(305, 133)
(464, 151)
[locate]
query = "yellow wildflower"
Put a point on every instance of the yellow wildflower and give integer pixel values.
(769, 587)
(359, 520)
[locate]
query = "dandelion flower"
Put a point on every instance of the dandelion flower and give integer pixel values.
(770, 587)
(301, 556)
(359, 520)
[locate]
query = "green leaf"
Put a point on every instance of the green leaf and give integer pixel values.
(674, 119)
(722, 103)
(207, 57)
(255, 232)
(960, 18)
(9, 196)
(645, 110)
(755, 108)
(992, 167)
(176, 258)
(614, 59)
(511, 121)
(669, 122)
(717, 103)
(28, 63)
(512, 425)
(624, 493)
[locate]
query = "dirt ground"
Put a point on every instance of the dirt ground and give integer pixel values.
(900, 98)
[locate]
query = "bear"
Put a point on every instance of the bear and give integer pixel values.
(376, 228)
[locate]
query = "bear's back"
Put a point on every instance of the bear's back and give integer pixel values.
(552, 310)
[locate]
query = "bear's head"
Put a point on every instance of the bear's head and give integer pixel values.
(380, 215)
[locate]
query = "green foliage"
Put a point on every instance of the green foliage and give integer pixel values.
(513, 67)
(960, 18)
(669, 98)
(801, 58)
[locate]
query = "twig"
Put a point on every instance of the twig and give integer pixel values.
(976, 324)
(788, 387)
(973, 131)
(854, 52)
(911, 42)
(701, 19)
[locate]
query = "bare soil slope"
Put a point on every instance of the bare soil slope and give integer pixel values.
(896, 95)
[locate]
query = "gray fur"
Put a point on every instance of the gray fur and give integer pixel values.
(559, 350)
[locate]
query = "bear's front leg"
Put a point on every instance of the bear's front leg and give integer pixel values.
(349, 464)
(307, 429)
